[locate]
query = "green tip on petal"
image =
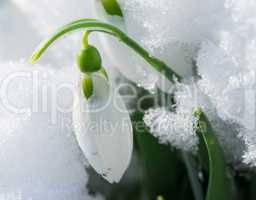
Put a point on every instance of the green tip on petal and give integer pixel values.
(104, 73)
(112, 7)
(87, 86)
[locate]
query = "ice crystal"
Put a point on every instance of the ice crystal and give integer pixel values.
(175, 127)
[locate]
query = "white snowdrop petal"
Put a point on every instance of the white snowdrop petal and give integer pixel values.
(103, 130)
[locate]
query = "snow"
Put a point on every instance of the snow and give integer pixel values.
(218, 38)
(17, 36)
(47, 16)
(227, 68)
(26, 23)
(173, 30)
(176, 129)
(39, 156)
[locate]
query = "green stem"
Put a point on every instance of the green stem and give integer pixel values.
(95, 25)
(85, 41)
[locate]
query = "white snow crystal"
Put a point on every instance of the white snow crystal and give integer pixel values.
(173, 30)
(227, 70)
(174, 128)
(177, 127)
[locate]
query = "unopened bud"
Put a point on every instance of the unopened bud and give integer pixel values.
(89, 59)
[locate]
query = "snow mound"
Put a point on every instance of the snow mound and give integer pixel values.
(39, 157)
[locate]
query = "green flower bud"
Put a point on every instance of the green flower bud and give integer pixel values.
(89, 59)
(87, 86)
(112, 7)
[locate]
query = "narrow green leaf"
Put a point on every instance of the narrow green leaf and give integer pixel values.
(220, 186)
(112, 7)
(163, 170)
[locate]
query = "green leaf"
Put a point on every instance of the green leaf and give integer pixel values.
(163, 171)
(220, 185)
(112, 7)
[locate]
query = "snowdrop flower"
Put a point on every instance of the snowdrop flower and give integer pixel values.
(101, 121)
(103, 129)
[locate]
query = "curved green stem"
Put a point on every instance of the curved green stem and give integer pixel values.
(95, 25)
(85, 39)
